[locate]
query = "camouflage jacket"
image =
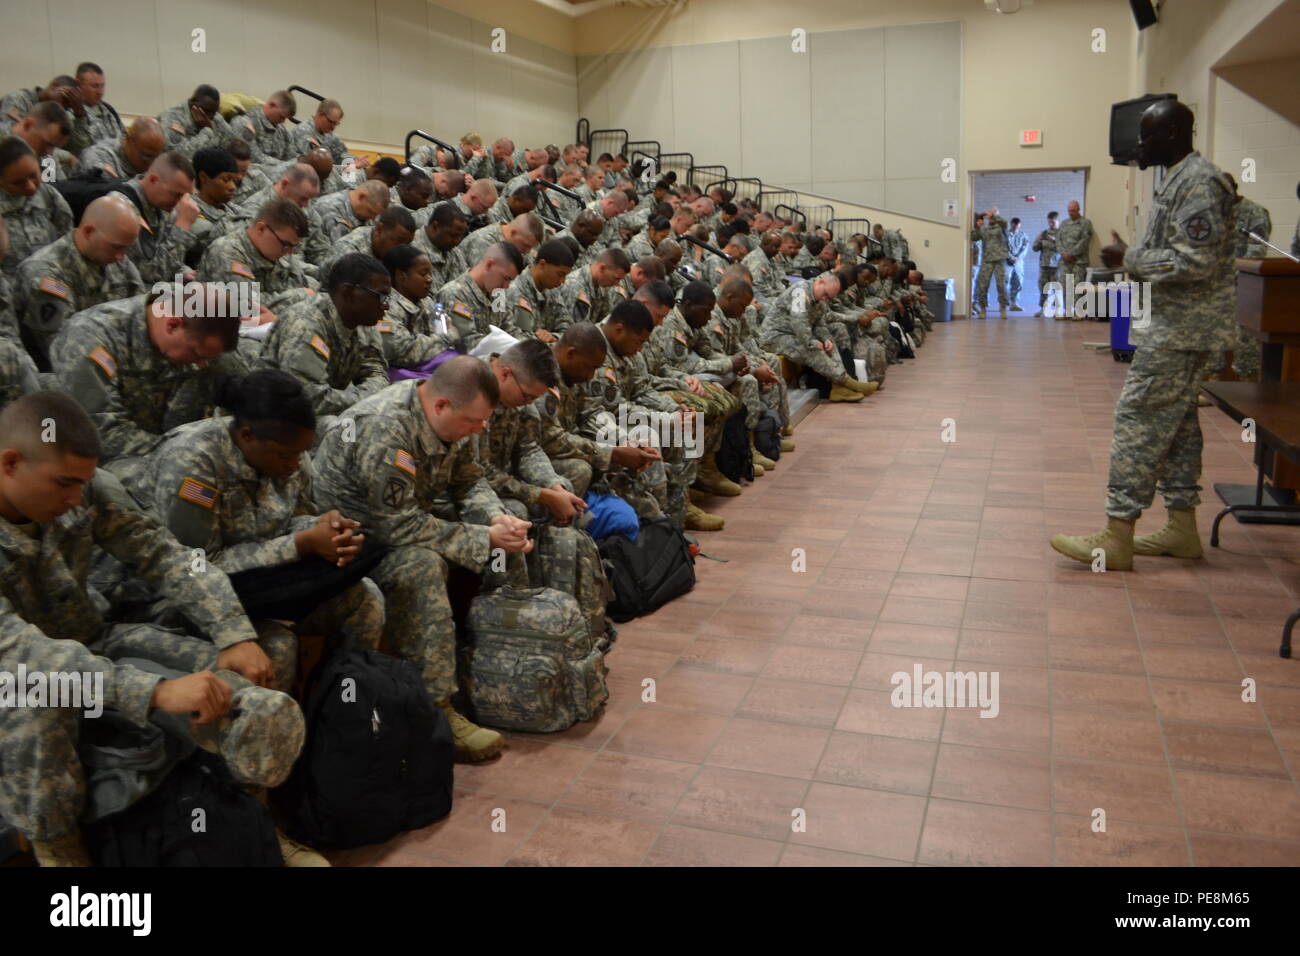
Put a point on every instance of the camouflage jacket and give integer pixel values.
(205, 493)
(581, 300)
(358, 240)
(184, 136)
(17, 373)
(15, 107)
(104, 122)
(34, 222)
(409, 333)
(796, 315)
(767, 276)
(1252, 217)
(234, 258)
(566, 419)
(305, 137)
(468, 308)
(625, 380)
(1045, 246)
(160, 248)
(684, 350)
(446, 265)
(530, 309)
(383, 465)
(476, 243)
(1073, 238)
(513, 463)
(267, 141)
(337, 366)
(336, 218)
(994, 236)
(110, 157)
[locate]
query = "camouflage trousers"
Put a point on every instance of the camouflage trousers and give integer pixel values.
(879, 330)
(418, 625)
(1245, 353)
(1077, 269)
(810, 355)
(42, 783)
(1157, 443)
(997, 271)
(1046, 276)
(355, 616)
(646, 491)
(1015, 279)
(872, 352)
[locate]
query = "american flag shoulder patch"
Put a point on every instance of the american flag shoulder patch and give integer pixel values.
(241, 269)
(609, 374)
(99, 355)
(583, 297)
(193, 490)
(718, 328)
(384, 325)
(621, 291)
(177, 127)
(403, 460)
(525, 304)
(680, 337)
(53, 287)
(463, 310)
(320, 345)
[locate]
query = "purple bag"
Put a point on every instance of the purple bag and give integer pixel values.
(423, 370)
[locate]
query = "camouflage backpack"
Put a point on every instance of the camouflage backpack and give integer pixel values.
(568, 560)
(530, 663)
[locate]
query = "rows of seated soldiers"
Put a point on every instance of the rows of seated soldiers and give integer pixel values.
(254, 345)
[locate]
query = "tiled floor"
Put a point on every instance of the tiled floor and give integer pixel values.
(772, 740)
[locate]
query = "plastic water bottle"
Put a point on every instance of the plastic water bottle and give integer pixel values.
(440, 318)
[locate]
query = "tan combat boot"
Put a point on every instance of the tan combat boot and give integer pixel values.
(841, 394)
(1116, 540)
(863, 388)
(1178, 538)
(713, 481)
(787, 431)
(787, 444)
(473, 743)
(295, 854)
(66, 850)
(760, 460)
(697, 519)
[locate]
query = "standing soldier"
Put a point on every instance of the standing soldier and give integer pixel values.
(1017, 246)
(1072, 242)
(993, 237)
(1251, 218)
(1187, 257)
(1045, 246)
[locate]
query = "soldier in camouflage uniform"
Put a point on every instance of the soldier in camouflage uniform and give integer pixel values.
(993, 237)
(140, 367)
(339, 214)
(585, 230)
(216, 177)
(240, 489)
(1045, 246)
(388, 463)
(197, 123)
(393, 227)
(129, 155)
(534, 305)
(329, 342)
(768, 278)
(411, 333)
(168, 213)
(1187, 256)
(795, 326)
(318, 132)
(84, 268)
(1073, 240)
(56, 510)
(265, 129)
(567, 415)
(587, 294)
(34, 211)
(17, 373)
(440, 239)
(1251, 218)
(62, 90)
(643, 243)
(732, 329)
(469, 298)
(523, 232)
(102, 119)
(1017, 246)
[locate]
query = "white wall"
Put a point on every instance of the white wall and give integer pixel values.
(1246, 129)
(393, 64)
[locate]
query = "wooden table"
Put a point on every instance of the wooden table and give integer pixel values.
(1274, 407)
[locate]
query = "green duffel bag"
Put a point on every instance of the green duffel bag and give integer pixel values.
(529, 662)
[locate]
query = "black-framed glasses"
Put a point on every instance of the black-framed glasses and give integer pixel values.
(287, 246)
(383, 297)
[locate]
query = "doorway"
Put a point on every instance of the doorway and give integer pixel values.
(1028, 195)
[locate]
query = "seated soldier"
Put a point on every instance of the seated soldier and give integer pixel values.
(329, 342)
(569, 177)
(586, 292)
(644, 243)
(17, 373)
(240, 489)
(629, 470)
(340, 213)
(585, 230)
(46, 129)
(736, 325)
(395, 226)
(168, 213)
(102, 119)
(299, 183)
(469, 298)
(140, 367)
(669, 252)
(249, 179)
(609, 208)
(215, 173)
(131, 154)
(520, 201)
(534, 305)
(448, 184)
(768, 278)
(593, 180)
(440, 239)
(387, 463)
(197, 123)
(474, 202)
(411, 333)
(264, 128)
(318, 132)
(524, 232)
(54, 508)
(794, 326)
(414, 193)
(643, 270)
(84, 268)
(63, 92)
(34, 211)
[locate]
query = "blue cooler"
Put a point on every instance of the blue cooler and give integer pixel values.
(1117, 306)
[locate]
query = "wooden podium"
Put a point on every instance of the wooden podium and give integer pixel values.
(1268, 303)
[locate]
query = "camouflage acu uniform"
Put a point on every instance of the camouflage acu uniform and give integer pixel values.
(234, 258)
(337, 366)
(17, 373)
(15, 107)
(676, 350)
(476, 243)
(305, 137)
(795, 325)
(389, 476)
(409, 333)
(1045, 246)
(51, 620)
(336, 219)
(104, 122)
(1187, 256)
(639, 247)
(728, 336)
(1251, 217)
(582, 300)
(468, 308)
(1073, 238)
(267, 141)
(250, 523)
(110, 157)
(56, 282)
(160, 248)
(185, 136)
(359, 240)
(586, 254)
(106, 360)
(1017, 246)
(446, 265)
(768, 284)
(993, 235)
(34, 222)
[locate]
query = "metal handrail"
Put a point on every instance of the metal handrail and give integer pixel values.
(670, 160)
(592, 134)
(809, 216)
(406, 146)
(583, 131)
(794, 213)
(302, 89)
(690, 173)
(637, 144)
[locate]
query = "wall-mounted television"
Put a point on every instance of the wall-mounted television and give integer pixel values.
(1124, 120)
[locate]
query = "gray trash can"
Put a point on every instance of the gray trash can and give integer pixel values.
(942, 294)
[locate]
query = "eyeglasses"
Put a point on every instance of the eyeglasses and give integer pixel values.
(287, 246)
(383, 297)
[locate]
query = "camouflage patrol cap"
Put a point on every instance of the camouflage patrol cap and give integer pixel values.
(260, 738)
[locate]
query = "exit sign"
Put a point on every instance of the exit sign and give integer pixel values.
(1031, 137)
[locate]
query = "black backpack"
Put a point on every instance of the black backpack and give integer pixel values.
(733, 457)
(378, 756)
(649, 572)
(165, 829)
(767, 435)
(85, 187)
